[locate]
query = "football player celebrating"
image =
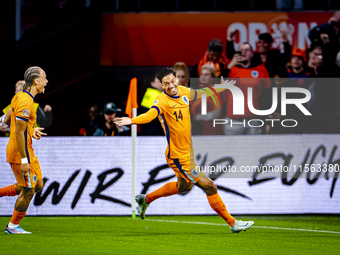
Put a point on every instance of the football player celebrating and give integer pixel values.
(172, 109)
(20, 154)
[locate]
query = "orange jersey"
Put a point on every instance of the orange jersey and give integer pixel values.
(22, 107)
(174, 115)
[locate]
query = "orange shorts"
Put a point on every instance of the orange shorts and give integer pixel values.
(28, 181)
(186, 169)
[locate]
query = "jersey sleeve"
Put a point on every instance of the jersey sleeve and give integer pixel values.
(145, 117)
(192, 94)
(197, 94)
(158, 104)
(156, 109)
(23, 110)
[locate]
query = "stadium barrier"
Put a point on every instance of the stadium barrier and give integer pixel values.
(92, 175)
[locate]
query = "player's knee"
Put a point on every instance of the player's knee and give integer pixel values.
(184, 189)
(29, 193)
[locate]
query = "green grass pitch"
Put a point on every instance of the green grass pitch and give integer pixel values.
(313, 234)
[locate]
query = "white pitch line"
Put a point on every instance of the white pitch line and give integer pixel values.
(219, 224)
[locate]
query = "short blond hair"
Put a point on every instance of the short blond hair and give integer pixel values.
(211, 69)
(20, 83)
(181, 66)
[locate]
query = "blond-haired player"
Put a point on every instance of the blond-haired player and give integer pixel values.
(20, 154)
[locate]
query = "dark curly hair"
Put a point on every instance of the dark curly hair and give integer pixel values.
(166, 71)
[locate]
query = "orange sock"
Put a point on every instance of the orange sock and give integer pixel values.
(8, 191)
(17, 216)
(218, 206)
(167, 190)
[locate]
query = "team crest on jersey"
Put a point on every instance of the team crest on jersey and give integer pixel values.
(34, 178)
(26, 113)
(185, 99)
(155, 103)
(195, 172)
(254, 74)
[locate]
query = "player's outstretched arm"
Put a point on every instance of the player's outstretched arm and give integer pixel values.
(140, 119)
(208, 91)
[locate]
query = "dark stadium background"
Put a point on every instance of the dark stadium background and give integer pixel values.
(63, 37)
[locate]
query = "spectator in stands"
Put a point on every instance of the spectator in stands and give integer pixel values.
(214, 57)
(297, 68)
(320, 36)
(247, 75)
(320, 59)
(44, 116)
(202, 124)
(315, 59)
(182, 73)
(154, 83)
(334, 26)
(108, 127)
(92, 121)
(324, 103)
(333, 31)
(152, 87)
(270, 58)
(281, 80)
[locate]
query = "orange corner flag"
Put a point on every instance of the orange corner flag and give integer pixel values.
(132, 98)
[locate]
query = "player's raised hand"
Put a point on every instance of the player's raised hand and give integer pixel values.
(231, 82)
(47, 108)
(284, 35)
(37, 133)
(231, 35)
(332, 19)
(124, 121)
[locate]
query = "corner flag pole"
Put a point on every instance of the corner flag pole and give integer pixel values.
(134, 162)
(131, 110)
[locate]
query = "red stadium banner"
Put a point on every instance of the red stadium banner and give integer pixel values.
(152, 39)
